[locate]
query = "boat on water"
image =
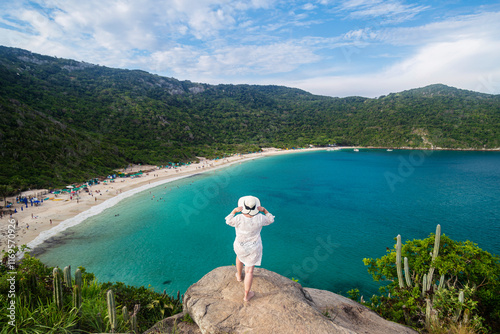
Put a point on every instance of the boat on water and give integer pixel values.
(356, 150)
(389, 150)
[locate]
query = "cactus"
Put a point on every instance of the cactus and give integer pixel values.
(398, 262)
(133, 323)
(77, 297)
(111, 309)
(57, 285)
(461, 297)
(424, 285)
(428, 312)
(67, 276)
(125, 314)
(458, 311)
(133, 319)
(437, 240)
(441, 282)
(407, 272)
(78, 278)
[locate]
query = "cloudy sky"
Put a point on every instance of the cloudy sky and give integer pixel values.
(328, 47)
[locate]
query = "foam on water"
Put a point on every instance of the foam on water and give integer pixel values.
(95, 210)
(99, 208)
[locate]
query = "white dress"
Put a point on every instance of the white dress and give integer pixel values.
(248, 244)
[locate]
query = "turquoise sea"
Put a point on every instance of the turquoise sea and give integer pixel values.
(332, 210)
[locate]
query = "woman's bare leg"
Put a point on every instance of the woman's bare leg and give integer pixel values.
(239, 269)
(248, 283)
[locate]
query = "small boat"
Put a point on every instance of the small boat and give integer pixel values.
(356, 150)
(389, 150)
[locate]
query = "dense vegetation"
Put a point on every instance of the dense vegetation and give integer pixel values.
(29, 287)
(63, 121)
(445, 287)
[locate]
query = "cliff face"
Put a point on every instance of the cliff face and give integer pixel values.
(215, 303)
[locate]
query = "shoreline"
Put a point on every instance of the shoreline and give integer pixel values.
(37, 224)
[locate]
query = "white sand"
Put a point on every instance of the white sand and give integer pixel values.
(65, 212)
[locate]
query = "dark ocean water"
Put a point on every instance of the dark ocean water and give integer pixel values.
(332, 210)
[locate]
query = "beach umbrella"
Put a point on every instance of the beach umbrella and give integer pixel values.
(69, 187)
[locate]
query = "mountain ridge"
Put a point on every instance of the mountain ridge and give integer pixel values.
(87, 119)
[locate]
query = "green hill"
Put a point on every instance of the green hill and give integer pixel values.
(62, 120)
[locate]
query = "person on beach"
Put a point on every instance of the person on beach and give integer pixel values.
(248, 244)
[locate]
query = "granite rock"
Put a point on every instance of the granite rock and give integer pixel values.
(280, 305)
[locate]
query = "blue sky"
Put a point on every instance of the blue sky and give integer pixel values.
(336, 48)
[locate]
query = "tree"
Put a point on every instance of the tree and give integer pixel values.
(5, 191)
(457, 282)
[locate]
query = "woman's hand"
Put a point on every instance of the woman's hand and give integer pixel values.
(237, 209)
(262, 209)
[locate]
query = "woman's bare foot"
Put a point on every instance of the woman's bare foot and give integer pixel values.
(249, 296)
(238, 278)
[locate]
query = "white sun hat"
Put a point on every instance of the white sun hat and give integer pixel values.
(249, 204)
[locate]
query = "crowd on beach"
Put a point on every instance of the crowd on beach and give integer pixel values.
(32, 216)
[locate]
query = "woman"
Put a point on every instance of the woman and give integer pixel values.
(248, 244)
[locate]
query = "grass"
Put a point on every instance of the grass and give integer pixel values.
(36, 310)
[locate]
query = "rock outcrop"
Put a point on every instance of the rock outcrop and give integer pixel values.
(280, 305)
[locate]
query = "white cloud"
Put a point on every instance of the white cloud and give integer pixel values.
(469, 64)
(256, 40)
(381, 11)
(453, 29)
(461, 51)
(232, 61)
(309, 6)
(139, 24)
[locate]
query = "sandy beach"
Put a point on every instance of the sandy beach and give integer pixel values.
(34, 223)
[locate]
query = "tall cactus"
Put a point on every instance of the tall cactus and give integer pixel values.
(77, 297)
(67, 276)
(57, 285)
(133, 319)
(111, 309)
(441, 282)
(424, 285)
(133, 323)
(78, 278)
(407, 272)
(398, 261)
(458, 311)
(437, 240)
(428, 310)
(125, 314)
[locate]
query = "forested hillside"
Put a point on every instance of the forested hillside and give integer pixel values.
(63, 120)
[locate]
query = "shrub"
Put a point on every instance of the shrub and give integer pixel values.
(36, 310)
(464, 288)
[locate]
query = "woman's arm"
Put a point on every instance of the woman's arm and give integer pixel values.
(230, 217)
(269, 217)
(236, 210)
(263, 209)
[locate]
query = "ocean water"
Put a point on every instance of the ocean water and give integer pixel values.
(332, 210)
